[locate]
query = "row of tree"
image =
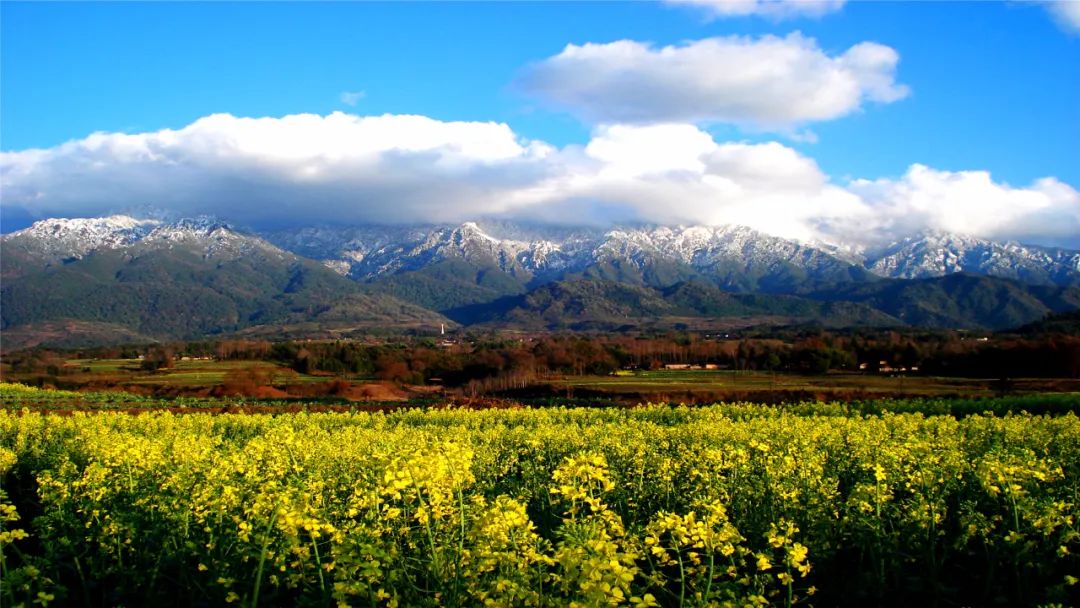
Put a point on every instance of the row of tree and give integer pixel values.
(516, 360)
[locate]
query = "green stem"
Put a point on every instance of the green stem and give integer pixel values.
(461, 538)
(262, 559)
(82, 581)
(790, 591)
(708, 583)
(318, 564)
(682, 578)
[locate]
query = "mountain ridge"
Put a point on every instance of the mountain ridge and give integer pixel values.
(939, 254)
(540, 253)
(202, 276)
(178, 280)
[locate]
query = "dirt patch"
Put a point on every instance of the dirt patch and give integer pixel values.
(426, 389)
(376, 391)
(269, 392)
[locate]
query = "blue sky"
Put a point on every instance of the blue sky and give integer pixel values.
(993, 86)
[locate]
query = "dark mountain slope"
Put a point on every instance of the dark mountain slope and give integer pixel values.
(448, 284)
(587, 304)
(958, 300)
(183, 289)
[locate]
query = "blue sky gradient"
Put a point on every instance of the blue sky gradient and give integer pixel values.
(995, 86)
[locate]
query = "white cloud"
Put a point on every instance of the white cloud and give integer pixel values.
(299, 168)
(351, 98)
(770, 9)
(1066, 13)
(970, 202)
(765, 83)
(677, 174)
(307, 169)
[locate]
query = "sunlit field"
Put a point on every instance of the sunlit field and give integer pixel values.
(736, 504)
(196, 372)
(674, 304)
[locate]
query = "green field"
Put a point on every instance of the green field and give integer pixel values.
(195, 372)
(202, 377)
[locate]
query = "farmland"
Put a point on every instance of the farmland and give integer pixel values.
(690, 382)
(198, 372)
(885, 503)
(260, 380)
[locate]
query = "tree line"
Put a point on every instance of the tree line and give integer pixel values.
(508, 362)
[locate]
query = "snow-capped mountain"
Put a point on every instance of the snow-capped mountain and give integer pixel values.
(540, 252)
(368, 252)
(938, 254)
(57, 240)
(709, 249)
(213, 238)
(536, 254)
(163, 279)
(119, 279)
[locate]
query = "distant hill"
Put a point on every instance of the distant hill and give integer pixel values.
(353, 315)
(955, 301)
(1058, 323)
(958, 300)
(592, 304)
(70, 333)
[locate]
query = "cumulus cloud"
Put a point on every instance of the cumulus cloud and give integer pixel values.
(351, 98)
(766, 83)
(302, 167)
(970, 202)
(770, 9)
(677, 174)
(345, 169)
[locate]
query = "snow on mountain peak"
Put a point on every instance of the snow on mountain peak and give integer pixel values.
(532, 251)
(57, 239)
(62, 238)
(62, 228)
(936, 254)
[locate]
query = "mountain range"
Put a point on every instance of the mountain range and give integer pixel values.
(121, 278)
